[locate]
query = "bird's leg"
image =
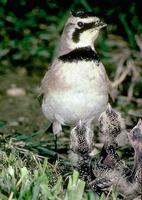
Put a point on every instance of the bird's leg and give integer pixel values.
(55, 143)
(57, 129)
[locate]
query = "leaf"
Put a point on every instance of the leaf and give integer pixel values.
(75, 187)
(3, 124)
(57, 188)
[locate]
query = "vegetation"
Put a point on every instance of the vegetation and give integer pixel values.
(29, 33)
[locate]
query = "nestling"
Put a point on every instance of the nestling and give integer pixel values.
(135, 138)
(126, 181)
(81, 145)
(76, 86)
(81, 139)
(108, 169)
(111, 125)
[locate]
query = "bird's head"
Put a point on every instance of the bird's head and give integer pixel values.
(81, 139)
(81, 30)
(135, 137)
(111, 123)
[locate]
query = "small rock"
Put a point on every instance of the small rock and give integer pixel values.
(15, 91)
(14, 123)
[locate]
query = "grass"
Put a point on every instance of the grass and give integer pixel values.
(18, 181)
(30, 176)
(27, 175)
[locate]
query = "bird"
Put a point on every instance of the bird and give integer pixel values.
(96, 171)
(127, 181)
(111, 125)
(81, 145)
(93, 170)
(108, 166)
(76, 86)
(135, 139)
(107, 169)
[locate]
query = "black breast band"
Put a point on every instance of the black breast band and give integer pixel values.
(80, 54)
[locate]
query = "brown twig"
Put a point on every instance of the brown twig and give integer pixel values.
(116, 83)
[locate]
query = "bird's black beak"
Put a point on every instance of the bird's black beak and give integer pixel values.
(101, 24)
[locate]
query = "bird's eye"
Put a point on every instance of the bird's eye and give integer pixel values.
(80, 24)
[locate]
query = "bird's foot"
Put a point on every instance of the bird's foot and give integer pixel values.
(57, 128)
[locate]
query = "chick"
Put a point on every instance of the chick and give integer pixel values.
(135, 138)
(126, 181)
(111, 124)
(108, 169)
(108, 166)
(81, 145)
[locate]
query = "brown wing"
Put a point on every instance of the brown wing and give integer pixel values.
(49, 78)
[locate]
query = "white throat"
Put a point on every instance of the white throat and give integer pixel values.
(86, 40)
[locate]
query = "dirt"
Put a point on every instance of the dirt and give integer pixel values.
(21, 111)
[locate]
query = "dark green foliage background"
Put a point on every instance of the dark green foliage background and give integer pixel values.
(29, 33)
(29, 29)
